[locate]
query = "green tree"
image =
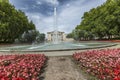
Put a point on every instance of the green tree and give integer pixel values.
(32, 36)
(102, 21)
(40, 38)
(13, 23)
(70, 35)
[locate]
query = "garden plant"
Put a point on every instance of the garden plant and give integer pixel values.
(21, 67)
(104, 64)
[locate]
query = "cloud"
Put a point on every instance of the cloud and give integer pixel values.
(69, 12)
(70, 16)
(38, 2)
(43, 24)
(52, 1)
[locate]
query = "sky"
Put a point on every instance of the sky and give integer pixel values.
(69, 12)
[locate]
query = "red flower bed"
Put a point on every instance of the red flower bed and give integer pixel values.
(21, 67)
(104, 64)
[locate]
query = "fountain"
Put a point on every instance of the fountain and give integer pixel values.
(56, 45)
(55, 35)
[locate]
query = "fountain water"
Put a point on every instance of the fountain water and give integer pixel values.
(55, 35)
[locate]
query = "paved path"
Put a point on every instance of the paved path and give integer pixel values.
(62, 68)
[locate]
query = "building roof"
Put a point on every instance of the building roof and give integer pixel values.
(54, 31)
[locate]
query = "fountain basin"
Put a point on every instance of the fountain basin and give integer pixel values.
(62, 46)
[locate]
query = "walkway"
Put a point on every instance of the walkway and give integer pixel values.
(62, 68)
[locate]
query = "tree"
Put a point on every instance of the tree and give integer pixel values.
(29, 36)
(40, 38)
(70, 35)
(103, 21)
(32, 36)
(13, 23)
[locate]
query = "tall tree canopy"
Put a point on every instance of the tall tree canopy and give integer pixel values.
(103, 21)
(13, 23)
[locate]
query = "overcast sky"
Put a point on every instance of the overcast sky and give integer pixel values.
(69, 12)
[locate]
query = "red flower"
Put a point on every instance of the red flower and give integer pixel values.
(19, 78)
(116, 78)
(103, 63)
(116, 72)
(21, 67)
(4, 78)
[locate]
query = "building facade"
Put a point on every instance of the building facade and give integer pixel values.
(61, 36)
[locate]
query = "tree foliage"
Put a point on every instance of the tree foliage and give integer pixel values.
(40, 38)
(70, 35)
(13, 23)
(32, 36)
(102, 22)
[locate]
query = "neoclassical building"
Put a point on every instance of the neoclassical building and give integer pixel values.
(61, 36)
